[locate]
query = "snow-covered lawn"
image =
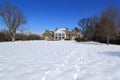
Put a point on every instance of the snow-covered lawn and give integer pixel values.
(59, 60)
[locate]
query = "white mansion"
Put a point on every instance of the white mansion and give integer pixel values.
(61, 34)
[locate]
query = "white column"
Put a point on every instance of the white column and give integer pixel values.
(61, 36)
(65, 35)
(57, 36)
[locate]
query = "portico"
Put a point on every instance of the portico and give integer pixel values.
(60, 34)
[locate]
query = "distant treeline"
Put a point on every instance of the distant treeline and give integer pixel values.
(104, 28)
(5, 36)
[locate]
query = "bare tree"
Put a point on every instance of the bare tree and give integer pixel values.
(105, 29)
(87, 27)
(83, 23)
(13, 18)
(110, 18)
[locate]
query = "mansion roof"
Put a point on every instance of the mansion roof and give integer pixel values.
(61, 30)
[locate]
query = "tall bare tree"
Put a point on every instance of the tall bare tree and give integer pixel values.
(109, 22)
(13, 18)
(87, 27)
(105, 29)
(83, 23)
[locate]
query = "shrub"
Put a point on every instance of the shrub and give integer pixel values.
(67, 39)
(81, 39)
(2, 37)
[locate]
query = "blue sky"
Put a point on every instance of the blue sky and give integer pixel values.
(51, 14)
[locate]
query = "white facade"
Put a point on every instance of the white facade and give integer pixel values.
(60, 34)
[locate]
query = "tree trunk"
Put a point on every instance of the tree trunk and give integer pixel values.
(13, 37)
(108, 40)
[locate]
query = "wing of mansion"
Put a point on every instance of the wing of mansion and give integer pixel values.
(61, 34)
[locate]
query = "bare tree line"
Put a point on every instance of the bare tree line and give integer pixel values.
(5, 36)
(102, 28)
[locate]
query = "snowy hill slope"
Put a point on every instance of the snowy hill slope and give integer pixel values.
(59, 60)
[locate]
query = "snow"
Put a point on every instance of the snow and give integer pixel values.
(59, 60)
(60, 30)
